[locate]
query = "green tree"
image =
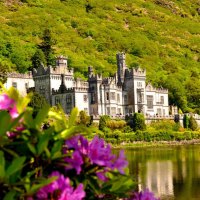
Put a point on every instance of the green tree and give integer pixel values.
(185, 121)
(47, 47)
(38, 59)
(192, 123)
(102, 122)
(37, 102)
(138, 122)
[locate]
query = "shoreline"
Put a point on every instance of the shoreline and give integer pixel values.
(143, 144)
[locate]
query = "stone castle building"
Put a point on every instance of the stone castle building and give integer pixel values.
(124, 93)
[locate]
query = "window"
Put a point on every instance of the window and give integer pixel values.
(108, 111)
(57, 100)
(162, 99)
(112, 95)
(14, 84)
(139, 97)
(159, 112)
(118, 98)
(119, 111)
(93, 98)
(113, 111)
(107, 96)
(69, 99)
(125, 99)
(163, 112)
(139, 84)
(149, 101)
(85, 98)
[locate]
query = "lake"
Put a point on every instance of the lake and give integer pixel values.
(172, 173)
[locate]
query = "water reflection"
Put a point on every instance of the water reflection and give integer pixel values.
(170, 172)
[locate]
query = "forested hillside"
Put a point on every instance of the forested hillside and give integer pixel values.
(162, 36)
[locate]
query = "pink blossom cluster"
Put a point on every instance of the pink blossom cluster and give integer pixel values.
(60, 189)
(8, 104)
(96, 152)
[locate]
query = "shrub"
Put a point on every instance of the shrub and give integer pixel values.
(102, 122)
(137, 122)
(192, 124)
(127, 129)
(139, 135)
(163, 124)
(185, 121)
(115, 124)
(84, 118)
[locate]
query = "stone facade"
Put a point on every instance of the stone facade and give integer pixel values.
(22, 82)
(124, 93)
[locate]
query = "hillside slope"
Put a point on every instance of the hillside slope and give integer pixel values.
(162, 36)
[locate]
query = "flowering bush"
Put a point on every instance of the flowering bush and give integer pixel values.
(45, 157)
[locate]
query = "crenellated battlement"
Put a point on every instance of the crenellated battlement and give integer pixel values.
(61, 61)
(150, 88)
(67, 90)
(135, 72)
(41, 71)
(62, 70)
(95, 77)
(18, 75)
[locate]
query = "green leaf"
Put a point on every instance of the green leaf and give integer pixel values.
(16, 165)
(23, 102)
(44, 140)
(2, 165)
(28, 119)
(11, 152)
(4, 122)
(43, 183)
(41, 115)
(56, 149)
(10, 195)
(73, 130)
(32, 148)
(73, 117)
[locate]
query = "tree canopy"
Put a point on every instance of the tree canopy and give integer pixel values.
(161, 36)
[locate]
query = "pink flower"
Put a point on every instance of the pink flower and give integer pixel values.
(143, 195)
(120, 163)
(100, 153)
(61, 189)
(6, 103)
(70, 194)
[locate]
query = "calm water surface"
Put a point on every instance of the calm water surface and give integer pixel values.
(172, 173)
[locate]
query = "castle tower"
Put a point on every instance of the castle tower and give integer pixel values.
(121, 67)
(61, 61)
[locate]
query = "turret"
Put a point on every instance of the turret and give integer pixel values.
(61, 61)
(121, 66)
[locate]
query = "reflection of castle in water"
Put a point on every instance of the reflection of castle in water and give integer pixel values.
(159, 178)
(172, 173)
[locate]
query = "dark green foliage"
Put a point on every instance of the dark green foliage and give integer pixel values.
(192, 123)
(185, 121)
(37, 102)
(102, 122)
(138, 122)
(38, 59)
(176, 118)
(47, 47)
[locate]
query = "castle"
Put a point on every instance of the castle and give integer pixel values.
(124, 93)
